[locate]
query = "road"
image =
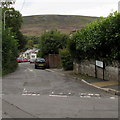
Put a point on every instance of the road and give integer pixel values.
(36, 93)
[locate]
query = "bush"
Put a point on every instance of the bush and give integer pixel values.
(9, 52)
(99, 39)
(66, 59)
(51, 42)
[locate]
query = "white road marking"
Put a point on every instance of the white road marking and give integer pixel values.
(90, 94)
(58, 96)
(61, 94)
(34, 94)
(97, 95)
(112, 97)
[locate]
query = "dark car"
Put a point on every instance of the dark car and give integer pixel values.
(40, 63)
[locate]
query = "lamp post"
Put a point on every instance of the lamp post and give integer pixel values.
(4, 16)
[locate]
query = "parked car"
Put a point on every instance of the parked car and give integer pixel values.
(31, 60)
(19, 59)
(25, 60)
(40, 63)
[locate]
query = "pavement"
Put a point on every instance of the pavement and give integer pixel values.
(106, 85)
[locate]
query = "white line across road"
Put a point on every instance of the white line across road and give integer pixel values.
(58, 96)
(61, 94)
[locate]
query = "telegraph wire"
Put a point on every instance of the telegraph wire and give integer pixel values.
(22, 5)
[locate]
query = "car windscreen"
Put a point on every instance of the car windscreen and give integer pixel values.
(40, 60)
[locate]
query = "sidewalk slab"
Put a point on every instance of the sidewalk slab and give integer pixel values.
(105, 83)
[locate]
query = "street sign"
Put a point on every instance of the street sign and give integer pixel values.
(99, 64)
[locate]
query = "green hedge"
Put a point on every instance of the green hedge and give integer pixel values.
(9, 52)
(99, 39)
(51, 41)
(66, 59)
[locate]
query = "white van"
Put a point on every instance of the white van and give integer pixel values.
(33, 56)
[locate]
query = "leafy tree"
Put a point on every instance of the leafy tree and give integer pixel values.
(11, 37)
(6, 4)
(13, 20)
(66, 59)
(29, 44)
(98, 40)
(34, 39)
(9, 51)
(51, 42)
(21, 41)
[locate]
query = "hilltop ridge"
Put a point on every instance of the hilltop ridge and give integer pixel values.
(37, 24)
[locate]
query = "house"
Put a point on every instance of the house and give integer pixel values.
(28, 53)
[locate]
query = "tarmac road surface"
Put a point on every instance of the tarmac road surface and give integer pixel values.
(37, 93)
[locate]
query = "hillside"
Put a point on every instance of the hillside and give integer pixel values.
(35, 25)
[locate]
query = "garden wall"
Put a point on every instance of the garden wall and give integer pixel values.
(111, 71)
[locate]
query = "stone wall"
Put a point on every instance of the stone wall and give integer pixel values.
(88, 67)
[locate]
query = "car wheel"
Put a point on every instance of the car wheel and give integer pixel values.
(35, 67)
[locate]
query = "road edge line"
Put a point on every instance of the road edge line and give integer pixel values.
(109, 90)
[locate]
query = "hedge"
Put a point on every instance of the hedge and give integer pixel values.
(99, 39)
(9, 52)
(66, 59)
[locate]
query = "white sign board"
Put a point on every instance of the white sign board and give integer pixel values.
(99, 64)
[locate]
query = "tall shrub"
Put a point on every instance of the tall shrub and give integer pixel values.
(99, 39)
(9, 52)
(66, 59)
(51, 42)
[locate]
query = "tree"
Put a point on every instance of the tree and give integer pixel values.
(13, 20)
(66, 59)
(98, 40)
(9, 51)
(51, 42)
(29, 44)
(11, 37)
(6, 3)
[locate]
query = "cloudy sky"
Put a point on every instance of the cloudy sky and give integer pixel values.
(67, 7)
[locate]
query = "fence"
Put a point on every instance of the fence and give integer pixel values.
(53, 60)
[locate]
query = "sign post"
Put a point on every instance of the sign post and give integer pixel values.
(101, 65)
